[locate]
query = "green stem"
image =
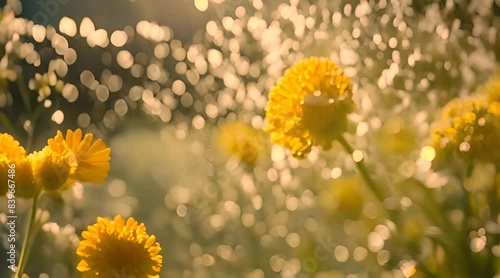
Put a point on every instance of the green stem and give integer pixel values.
(26, 98)
(28, 238)
(433, 213)
(5, 121)
(25, 94)
(363, 171)
(470, 213)
(381, 196)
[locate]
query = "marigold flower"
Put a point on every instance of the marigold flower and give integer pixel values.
(241, 140)
(468, 128)
(56, 166)
(11, 149)
(91, 156)
(309, 106)
(11, 153)
(52, 166)
(24, 179)
(118, 249)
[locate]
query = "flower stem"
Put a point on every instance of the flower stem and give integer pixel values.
(25, 94)
(28, 238)
(363, 171)
(381, 196)
(26, 98)
(468, 198)
(5, 121)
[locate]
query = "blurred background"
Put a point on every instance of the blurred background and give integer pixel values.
(173, 86)
(182, 16)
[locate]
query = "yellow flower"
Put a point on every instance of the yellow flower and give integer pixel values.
(91, 156)
(469, 128)
(241, 140)
(309, 106)
(24, 179)
(52, 166)
(118, 249)
(56, 166)
(10, 149)
(11, 153)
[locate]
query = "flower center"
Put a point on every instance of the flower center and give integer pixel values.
(318, 111)
(124, 257)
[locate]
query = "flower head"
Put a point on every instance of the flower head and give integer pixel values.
(241, 140)
(57, 166)
(11, 153)
(92, 156)
(24, 179)
(52, 166)
(10, 149)
(469, 129)
(309, 106)
(118, 249)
